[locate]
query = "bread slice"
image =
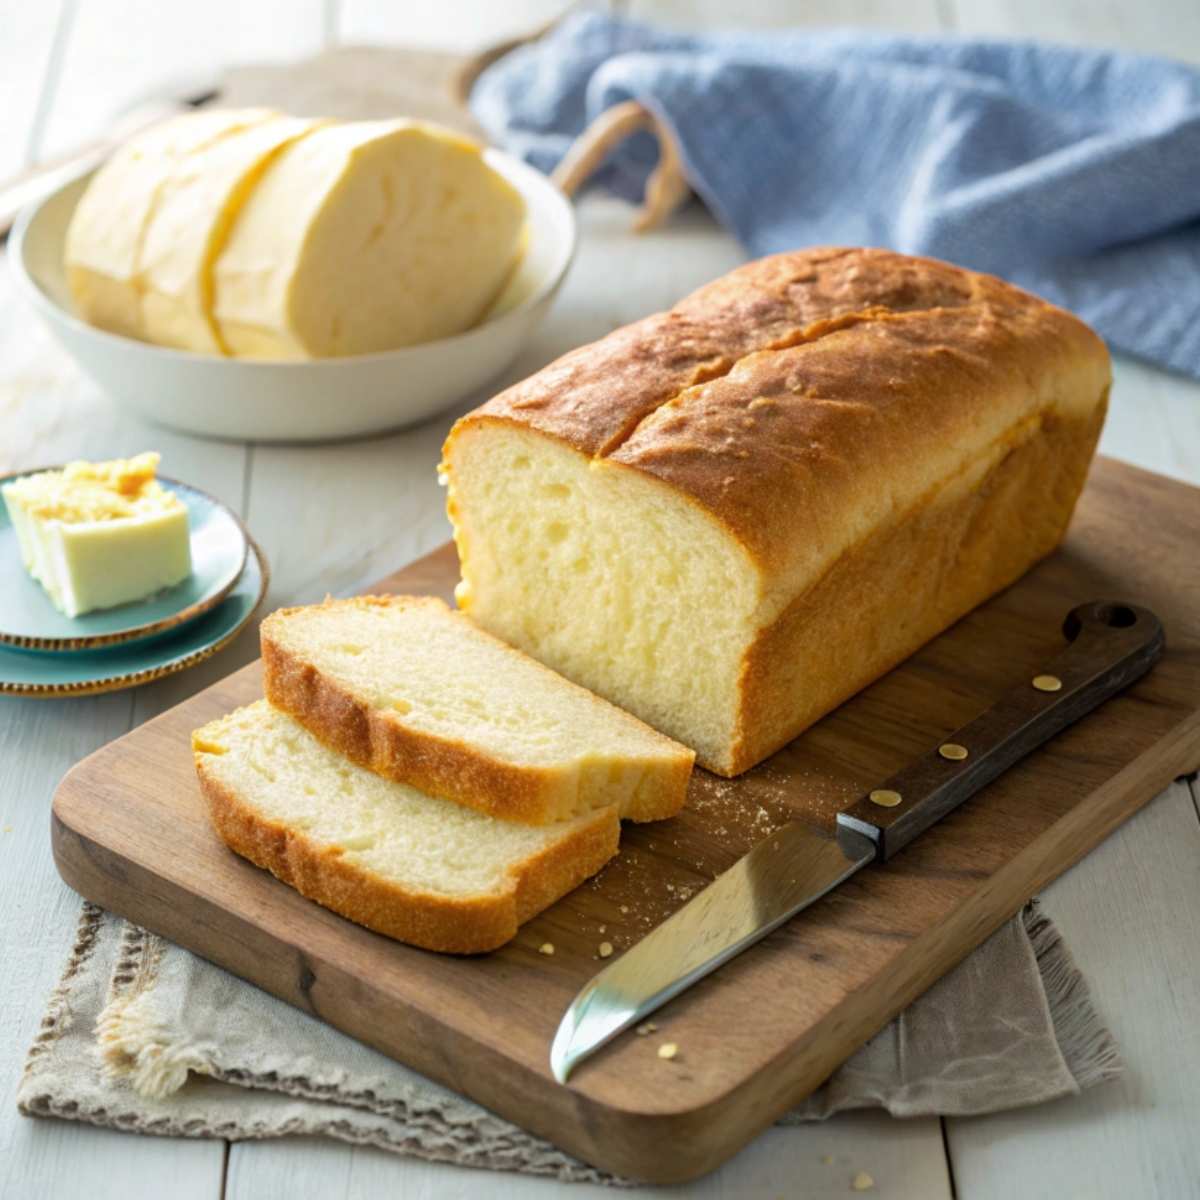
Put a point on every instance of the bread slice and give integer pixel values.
(104, 240)
(415, 691)
(196, 208)
(404, 864)
(366, 236)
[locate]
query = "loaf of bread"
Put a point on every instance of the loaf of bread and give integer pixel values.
(413, 690)
(731, 516)
(424, 870)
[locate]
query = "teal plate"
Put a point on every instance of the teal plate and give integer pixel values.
(29, 620)
(130, 664)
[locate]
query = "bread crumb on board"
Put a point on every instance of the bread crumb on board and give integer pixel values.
(668, 1050)
(546, 948)
(862, 1182)
(645, 1028)
(605, 949)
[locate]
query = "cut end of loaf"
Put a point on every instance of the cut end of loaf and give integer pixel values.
(606, 576)
(402, 863)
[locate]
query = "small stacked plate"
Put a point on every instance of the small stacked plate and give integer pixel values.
(43, 653)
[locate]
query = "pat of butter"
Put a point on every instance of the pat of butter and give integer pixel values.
(96, 535)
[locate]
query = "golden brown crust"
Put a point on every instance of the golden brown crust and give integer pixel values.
(909, 581)
(594, 396)
(799, 383)
(452, 925)
(449, 768)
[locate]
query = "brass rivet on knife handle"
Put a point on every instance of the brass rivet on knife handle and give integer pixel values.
(885, 797)
(1111, 645)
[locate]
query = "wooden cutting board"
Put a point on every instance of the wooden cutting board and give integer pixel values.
(130, 833)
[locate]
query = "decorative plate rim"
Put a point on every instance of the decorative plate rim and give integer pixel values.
(98, 641)
(116, 683)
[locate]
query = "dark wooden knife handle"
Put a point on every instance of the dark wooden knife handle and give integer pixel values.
(1112, 644)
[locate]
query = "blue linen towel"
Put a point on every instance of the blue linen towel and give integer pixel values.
(1073, 172)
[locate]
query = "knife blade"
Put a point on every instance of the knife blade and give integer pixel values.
(1112, 644)
(779, 877)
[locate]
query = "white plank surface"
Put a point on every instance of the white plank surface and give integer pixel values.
(332, 518)
(119, 53)
(473, 25)
(28, 33)
(819, 1161)
(1160, 27)
(1154, 421)
(916, 16)
(1128, 912)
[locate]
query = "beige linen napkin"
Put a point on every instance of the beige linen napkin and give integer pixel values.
(142, 1035)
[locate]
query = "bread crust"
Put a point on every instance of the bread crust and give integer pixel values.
(751, 396)
(449, 768)
(950, 554)
(446, 924)
(595, 396)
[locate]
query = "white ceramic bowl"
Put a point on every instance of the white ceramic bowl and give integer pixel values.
(306, 401)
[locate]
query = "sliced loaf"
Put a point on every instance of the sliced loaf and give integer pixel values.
(415, 691)
(730, 517)
(402, 863)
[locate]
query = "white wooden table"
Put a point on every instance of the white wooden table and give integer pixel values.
(333, 518)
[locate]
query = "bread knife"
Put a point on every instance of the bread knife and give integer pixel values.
(1111, 645)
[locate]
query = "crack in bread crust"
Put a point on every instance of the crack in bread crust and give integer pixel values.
(609, 387)
(797, 337)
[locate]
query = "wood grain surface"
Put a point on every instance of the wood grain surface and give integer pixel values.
(130, 833)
